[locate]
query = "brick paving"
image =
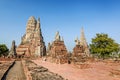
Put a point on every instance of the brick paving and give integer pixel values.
(16, 72)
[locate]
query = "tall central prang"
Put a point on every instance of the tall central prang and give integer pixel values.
(32, 43)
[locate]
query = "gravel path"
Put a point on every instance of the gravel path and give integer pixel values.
(16, 72)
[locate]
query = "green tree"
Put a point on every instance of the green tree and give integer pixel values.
(103, 45)
(3, 50)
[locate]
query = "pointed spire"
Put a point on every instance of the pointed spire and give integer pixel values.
(13, 50)
(57, 36)
(38, 29)
(84, 43)
(82, 37)
(62, 39)
(31, 18)
(38, 24)
(39, 20)
(31, 21)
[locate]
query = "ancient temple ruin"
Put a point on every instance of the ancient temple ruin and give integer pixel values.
(32, 43)
(57, 50)
(81, 48)
(12, 52)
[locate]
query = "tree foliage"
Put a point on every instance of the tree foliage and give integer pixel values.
(103, 45)
(3, 49)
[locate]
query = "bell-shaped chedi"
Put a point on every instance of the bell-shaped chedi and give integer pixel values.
(57, 50)
(32, 43)
(12, 52)
(81, 48)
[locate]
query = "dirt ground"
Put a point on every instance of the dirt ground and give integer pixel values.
(97, 71)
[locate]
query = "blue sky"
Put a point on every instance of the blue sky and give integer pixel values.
(65, 16)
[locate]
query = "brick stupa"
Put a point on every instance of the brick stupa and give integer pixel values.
(12, 52)
(81, 48)
(57, 50)
(32, 43)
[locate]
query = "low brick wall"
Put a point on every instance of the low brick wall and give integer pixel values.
(4, 75)
(27, 73)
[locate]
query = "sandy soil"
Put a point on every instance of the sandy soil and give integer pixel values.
(97, 70)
